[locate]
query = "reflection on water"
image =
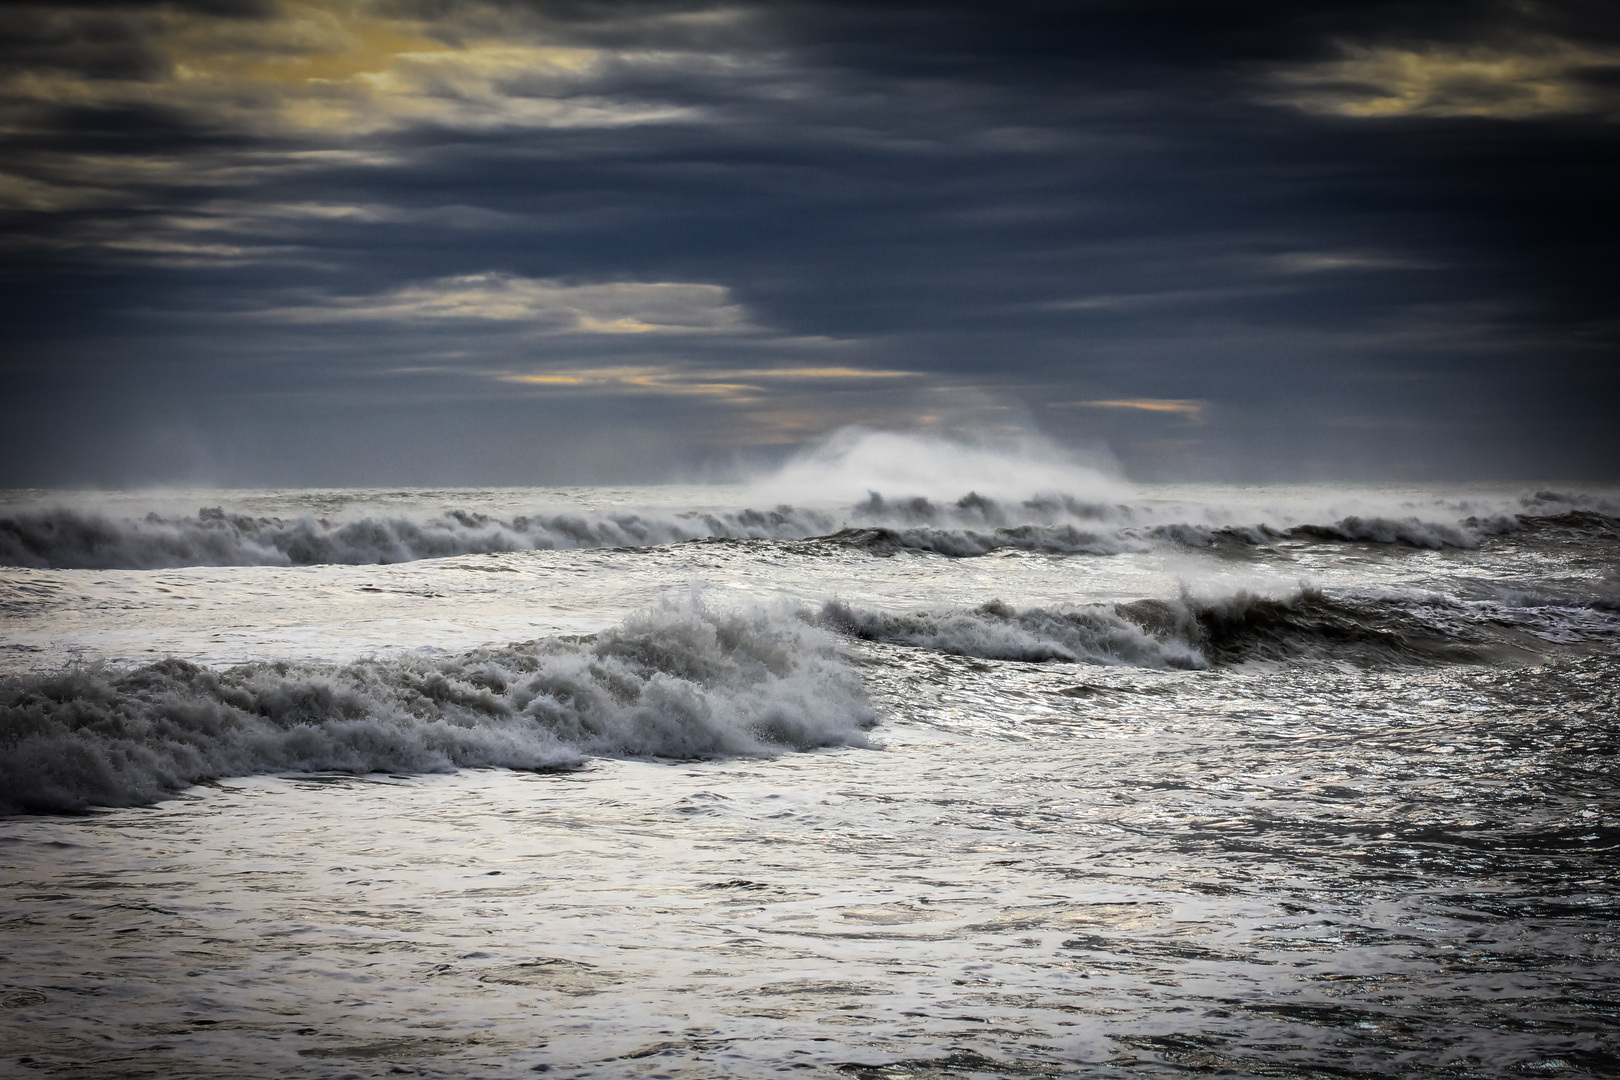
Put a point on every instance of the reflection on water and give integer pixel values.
(1051, 870)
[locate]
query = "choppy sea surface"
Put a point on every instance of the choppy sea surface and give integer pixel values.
(1040, 776)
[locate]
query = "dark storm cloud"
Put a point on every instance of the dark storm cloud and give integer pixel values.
(502, 242)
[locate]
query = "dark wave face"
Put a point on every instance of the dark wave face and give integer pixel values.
(974, 525)
(1189, 633)
(1096, 634)
(677, 682)
(967, 543)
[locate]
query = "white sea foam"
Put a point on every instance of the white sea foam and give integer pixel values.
(684, 680)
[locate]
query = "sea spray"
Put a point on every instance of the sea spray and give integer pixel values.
(853, 462)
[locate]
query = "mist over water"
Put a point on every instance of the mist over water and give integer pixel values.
(854, 464)
(915, 758)
(884, 491)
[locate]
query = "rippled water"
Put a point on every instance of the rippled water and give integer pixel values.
(1374, 835)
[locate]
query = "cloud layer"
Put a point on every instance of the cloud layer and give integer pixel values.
(621, 307)
(274, 241)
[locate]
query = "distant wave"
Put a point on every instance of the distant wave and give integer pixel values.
(682, 681)
(967, 543)
(1411, 531)
(1116, 537)
(1185, 633)
(974, 525)
(68, 538)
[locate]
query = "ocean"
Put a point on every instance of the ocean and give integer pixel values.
(910, 760)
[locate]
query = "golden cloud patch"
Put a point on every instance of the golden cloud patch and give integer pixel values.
(1542, 78)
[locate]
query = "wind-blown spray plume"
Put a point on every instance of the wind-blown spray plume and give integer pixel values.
(853, 463)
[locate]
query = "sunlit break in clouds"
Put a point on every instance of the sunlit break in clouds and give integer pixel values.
(359, 242)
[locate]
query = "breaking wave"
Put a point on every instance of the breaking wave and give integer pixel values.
(973, 525)
(682, 681)
(68, 538)
(1095, 634)
(1184, 633)
(1309, 625)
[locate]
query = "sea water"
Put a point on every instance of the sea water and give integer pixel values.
(971, 765)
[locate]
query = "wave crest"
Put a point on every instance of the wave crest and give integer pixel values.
(996, 631)
(973, 525)
(67, 538)
(682, 681)
(1184, 633)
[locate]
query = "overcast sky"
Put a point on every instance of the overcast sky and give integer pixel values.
(435, 242)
